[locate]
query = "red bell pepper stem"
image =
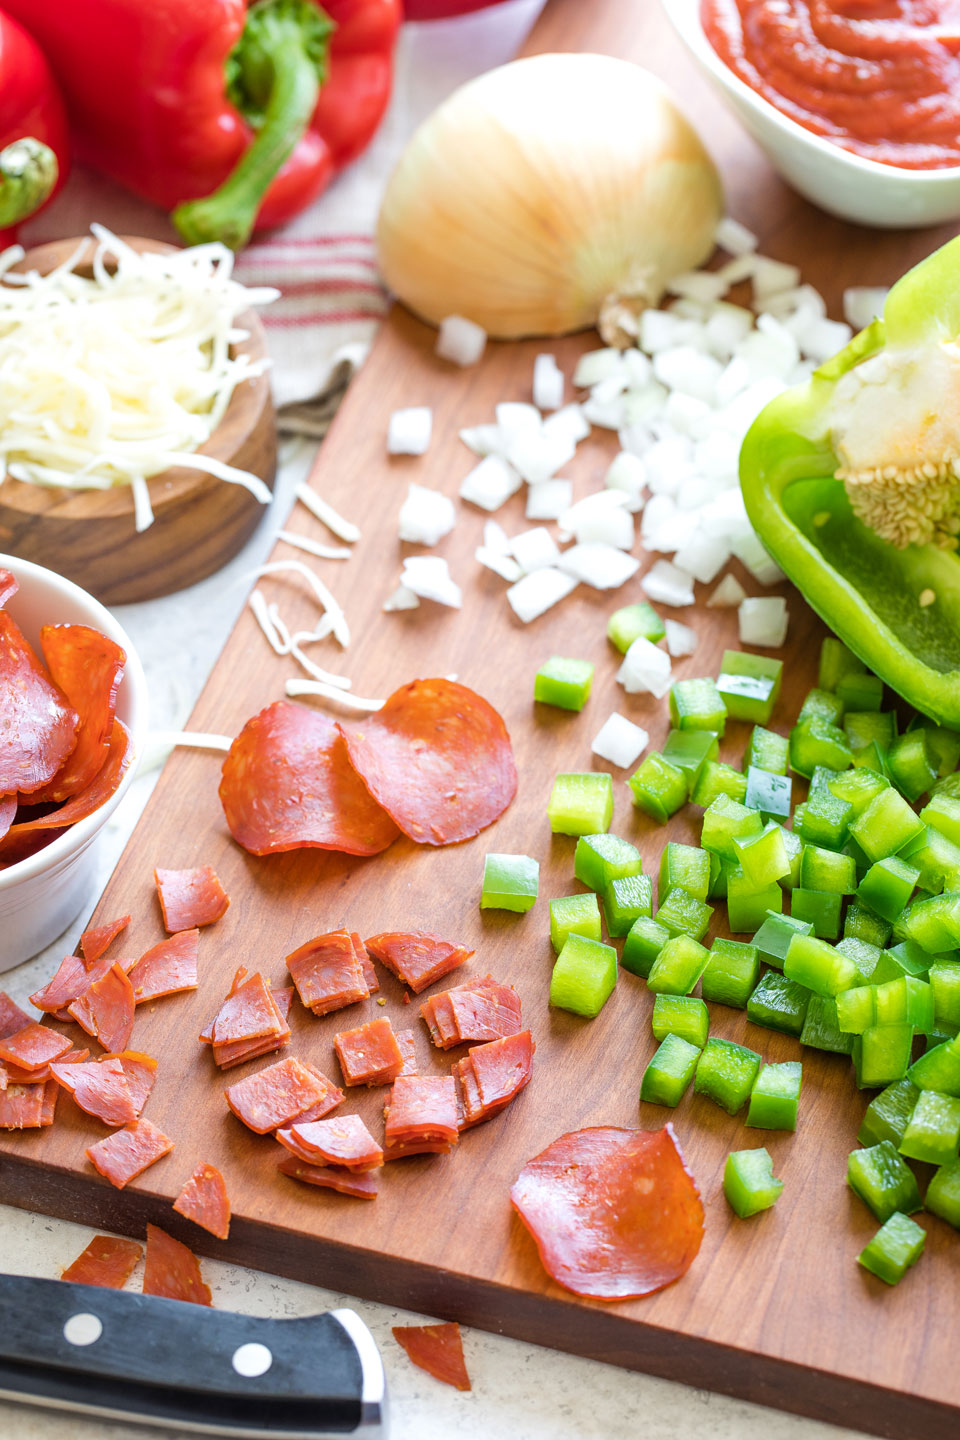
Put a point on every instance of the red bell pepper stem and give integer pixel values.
(276, 70)
(28, 174)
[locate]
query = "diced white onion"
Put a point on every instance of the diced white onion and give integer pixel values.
(863, 303)
(569, 422)
(750, 551)
(408, 431)
(602, 566)
(547, 383)
(620, 741)
(537, 457)
(692, 371)
(402, 599)
(501, 564)
(595, 366)
(549, 499)
(460, 340)
(325, 513)
(763, 621)
(681, 640)
(490, 483)
(483, 439)
(727, 595)
(706, 286)
(703, 556)
(496, 538)
(426, 516)
(537, 592)
(645, 669)
(535, 549)
(628, 473)
(733, 237)
(516, 417)
(668, 584)
(429, 577)
(771, 276)
(313, 547)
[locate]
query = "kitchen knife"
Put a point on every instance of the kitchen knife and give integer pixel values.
(142, 1359)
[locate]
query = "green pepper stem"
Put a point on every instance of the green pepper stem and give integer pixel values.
(28, 173)
(277, 69)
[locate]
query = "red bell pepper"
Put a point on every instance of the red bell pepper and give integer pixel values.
(33, 129)
(231, 117)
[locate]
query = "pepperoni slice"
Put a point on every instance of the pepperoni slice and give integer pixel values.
(100, 1088)
(72, 981)
(9, 585)
(12, 1018)
(13, 1075)
(38, 726)
(407, 1046)
(95, 941)
(328, 973)
(416, 957)
(400, 1149)
(204, 1201)
(173, 1271)
(88, 668)
(280, 1094)
(128, 1152)
(369, 1055)
(84, 802)
(422, 1107)
(615, 1213)
(33, 1046)
(482, 1009)
(248, 1013)
(106, 1010)
(288, 782)
(141, 1071)
(22, 1106)
(437, 1349)
(492, 1075)
(166, 968)
(438, 759)
(48, 1105)
(8, 810)
(107, 1261)
(362, 1185)
(190, 898)
(344, 1140)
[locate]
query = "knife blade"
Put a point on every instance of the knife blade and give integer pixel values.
(142, 1359)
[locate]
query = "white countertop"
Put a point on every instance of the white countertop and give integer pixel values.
(520, 1392)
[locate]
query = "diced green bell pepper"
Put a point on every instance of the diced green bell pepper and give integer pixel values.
(827, 870)
(881, 1055)
(659, 787)
(943, 813)
(859, 691)
(684, 914)
(862, 923)
(944, 744)
(821, 1030)
(819, 966)
(581, 804)
(683, 1015)
(933, 922)
(937, 860)
(725, 820)
(869, 727)
(905, 1001)
(886, 825)
(858, 787)
(762, 858)
(725, 1073)
(816, 742)
(510, 882)
(933, 1131)
(684, 865)
(779, 1004)
(643, 944)
(599, 859)
(823, 820)
(584, 976)
(731, 973)
(938, 1069)
(633, 622)
(943, 1194)
(888, 885)
(717, 779)
(945, 984)
(678, 966)
(748, 1182)
(835, 662)
(767, 751)
(690, 751)
(912, 764)
(749, 685)
(746, 906)
(670, 1071)
(857, 1009)
(625, 901)
(823, 909)
(770, 794)
(821, 705)
(864, 955)
(883, 1180)
(775, 1097)
(697, 705)
(773, 938)
(896, 1246)
(574, 915)
(563, 683)
(907, 958)
(887, 1115)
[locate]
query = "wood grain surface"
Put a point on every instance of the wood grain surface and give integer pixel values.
(199, 522)
(775, 1309)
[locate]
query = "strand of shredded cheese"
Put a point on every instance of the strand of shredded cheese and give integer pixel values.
(330, 692)
(326, 514)
(325, 599)
(312, 547)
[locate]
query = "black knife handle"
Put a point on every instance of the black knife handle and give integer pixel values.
(168, 1362)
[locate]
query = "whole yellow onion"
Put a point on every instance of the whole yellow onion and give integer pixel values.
(550, 194)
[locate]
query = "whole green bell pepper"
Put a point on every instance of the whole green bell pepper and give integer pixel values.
(852, 481)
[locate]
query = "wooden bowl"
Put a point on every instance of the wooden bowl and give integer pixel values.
(200, 522)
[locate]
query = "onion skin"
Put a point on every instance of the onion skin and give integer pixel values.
(545, 192)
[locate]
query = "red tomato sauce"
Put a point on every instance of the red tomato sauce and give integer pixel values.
(880, 78)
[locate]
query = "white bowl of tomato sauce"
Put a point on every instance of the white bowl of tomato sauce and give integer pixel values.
(918, 181)
(42, 893)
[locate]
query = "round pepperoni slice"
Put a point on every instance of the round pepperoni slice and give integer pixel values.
(88, 668)
(92, 796)
(615, 1213)
(38, 728)
(288, 783)
(438, 759)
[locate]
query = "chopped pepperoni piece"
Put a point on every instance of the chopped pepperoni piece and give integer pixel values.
(438, 759)
(362, 1185)
(280, 1094)
(416, 957)
(437, 1349)
(88, 668)
(33, 1046)
(95, 941)
(12, 1018)
(100, 1088)
(190, 898)
(90, 798)
(344, 1140)
(481, 1009)
(72, 981)
(327, 973)
(107, 1261)
(166, 968)
(128, 1152)
(141, 1071)
(106, 1010)
(407, 1046)
(332, 1097)
(173, 1271)
(22, 1106)
(422, 1107)
(248, 1013)
(400, 1149)
(369, 1055)
(492, 1075)
(615, 1213)
(204, 1201)
(48, 1106)
(38, 726)
(288, 782)
(9, 585)
(8, 810)
(365, 963)
(14, 1075)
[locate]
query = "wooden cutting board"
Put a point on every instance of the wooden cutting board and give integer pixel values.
(775, 1309)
